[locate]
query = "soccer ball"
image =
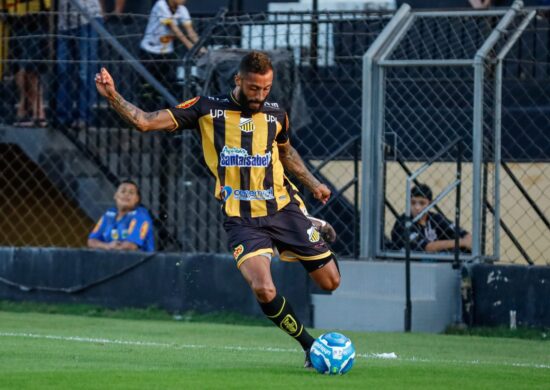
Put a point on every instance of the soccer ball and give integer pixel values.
(332, 354)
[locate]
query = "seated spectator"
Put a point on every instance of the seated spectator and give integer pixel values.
(128, 226)
(433, 232)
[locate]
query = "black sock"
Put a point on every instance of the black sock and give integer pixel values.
(280, 312)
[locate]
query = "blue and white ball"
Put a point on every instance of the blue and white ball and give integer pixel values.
(332, 354)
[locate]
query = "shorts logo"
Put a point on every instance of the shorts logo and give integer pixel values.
(238, 157)
(247, 125)
(249, 195)
(238, 251)
(188, 103)
(289, 324)
(225, 192)
(313, 234)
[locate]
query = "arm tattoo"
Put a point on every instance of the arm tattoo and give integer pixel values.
(130, 113)
(293, 163)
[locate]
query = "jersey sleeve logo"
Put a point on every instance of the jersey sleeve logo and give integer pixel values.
(188, 103)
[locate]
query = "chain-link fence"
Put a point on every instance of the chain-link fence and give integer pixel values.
(64, 150)
(482, 77)
(82, 149)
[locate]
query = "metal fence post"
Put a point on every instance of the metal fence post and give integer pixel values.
(372, 84)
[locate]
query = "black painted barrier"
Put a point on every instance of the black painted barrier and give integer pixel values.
(171, 281)
(499, 289)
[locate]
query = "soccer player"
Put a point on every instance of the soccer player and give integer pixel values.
(246, 146)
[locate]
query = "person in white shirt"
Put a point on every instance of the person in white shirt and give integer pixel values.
(157, 45)
(163, 27)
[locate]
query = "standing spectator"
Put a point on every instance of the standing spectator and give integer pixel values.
(30, 44)
(157, 45)
(433, 232)
(77, 43)
(127, 226)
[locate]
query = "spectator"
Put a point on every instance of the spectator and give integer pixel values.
(433, 232)
(157, 45)
(29, 27)
(128, 226)
(77, 43)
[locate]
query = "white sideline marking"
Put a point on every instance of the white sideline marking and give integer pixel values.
(390, 355)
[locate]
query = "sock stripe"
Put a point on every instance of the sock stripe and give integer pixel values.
(280, 311)
(300, 332)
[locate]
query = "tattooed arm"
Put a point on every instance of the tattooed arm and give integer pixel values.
(143, 121)
(293, 163)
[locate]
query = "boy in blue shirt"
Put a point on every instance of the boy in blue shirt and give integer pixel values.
(128, 226)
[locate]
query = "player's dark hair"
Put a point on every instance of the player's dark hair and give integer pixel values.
(422, 191)
(130, 181)
(255, 62)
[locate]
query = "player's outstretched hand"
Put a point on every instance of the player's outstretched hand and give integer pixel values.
(104, 83)
(322, 193)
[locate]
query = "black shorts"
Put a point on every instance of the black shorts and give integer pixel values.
(288, 230)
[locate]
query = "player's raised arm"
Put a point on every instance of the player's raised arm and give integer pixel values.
(293, 163)
(143, 121)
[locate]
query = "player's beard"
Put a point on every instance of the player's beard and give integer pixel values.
(245, 102)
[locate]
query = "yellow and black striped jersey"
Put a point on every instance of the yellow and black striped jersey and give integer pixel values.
(240, 150)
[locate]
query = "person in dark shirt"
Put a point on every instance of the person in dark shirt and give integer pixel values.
(433, 232)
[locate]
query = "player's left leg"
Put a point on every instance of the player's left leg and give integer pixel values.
(325, 273)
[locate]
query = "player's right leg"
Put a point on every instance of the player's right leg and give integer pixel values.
(256, 271)
(252, 250)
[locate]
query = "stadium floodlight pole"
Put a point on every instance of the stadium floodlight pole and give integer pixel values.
(132, 61)
(477, 136)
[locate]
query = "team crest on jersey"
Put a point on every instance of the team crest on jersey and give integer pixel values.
(247, 125)
(289, 324)
(238, 251)
(313, 234)
(188, 103)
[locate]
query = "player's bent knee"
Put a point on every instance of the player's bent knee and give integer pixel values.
(264, 292)
(330, 283)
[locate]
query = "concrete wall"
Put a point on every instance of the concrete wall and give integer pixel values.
(171, 281)
(372, 297)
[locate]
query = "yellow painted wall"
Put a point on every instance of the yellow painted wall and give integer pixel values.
(515, 211)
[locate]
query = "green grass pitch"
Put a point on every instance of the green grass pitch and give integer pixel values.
(52, 351)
